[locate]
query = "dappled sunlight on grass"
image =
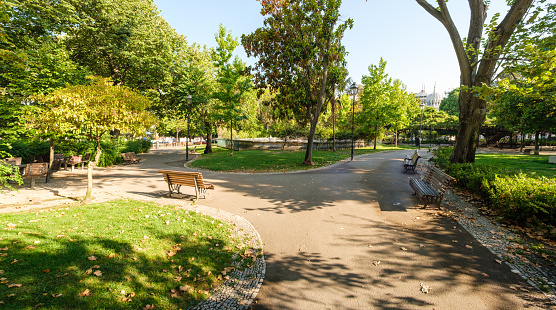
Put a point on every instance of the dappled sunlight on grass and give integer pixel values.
(121, 254)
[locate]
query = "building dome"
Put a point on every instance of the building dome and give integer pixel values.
(421, 96)
(433, 100)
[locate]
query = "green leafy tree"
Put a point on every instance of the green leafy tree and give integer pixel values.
(450, 103)
(477, 66)
(403, 106)
(233, 83)
(297, 47)
(374, 101)
(127, 41)
(92, 111)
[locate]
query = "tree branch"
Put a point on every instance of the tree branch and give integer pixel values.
(443, 15)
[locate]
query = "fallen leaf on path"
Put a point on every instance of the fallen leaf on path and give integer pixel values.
(468, 246)
(85, 293)
(403, 249)
(425, 288)
(14, 285)
(485, 275)
(376, 263)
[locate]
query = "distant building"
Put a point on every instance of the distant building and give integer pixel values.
(430, 100)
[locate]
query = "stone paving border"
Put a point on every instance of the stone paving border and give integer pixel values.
(497, 240)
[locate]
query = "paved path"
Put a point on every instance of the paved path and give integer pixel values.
(347, 237)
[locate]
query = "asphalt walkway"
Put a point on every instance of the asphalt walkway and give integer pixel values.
(346, 237)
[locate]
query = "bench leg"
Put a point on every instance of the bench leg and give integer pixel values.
(32, 183)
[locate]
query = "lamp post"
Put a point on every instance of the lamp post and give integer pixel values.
(422, 106)
(353, 90)
(189, 101)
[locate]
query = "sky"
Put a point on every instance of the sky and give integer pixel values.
(416, 47)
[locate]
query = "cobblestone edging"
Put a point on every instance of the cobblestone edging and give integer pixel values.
(498, 240)
(239, 291)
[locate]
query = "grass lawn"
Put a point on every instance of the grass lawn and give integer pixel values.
(529, 164)
(116, 255)
(274, 160)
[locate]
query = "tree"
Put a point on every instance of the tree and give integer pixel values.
(402, 108)
(477, 68)
(297, 47)
(233, 84)
(93, 110)
(450, 103)
(127, 41)
(374, 100)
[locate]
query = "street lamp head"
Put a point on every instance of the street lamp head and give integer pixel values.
(353, 88)
(189, 99)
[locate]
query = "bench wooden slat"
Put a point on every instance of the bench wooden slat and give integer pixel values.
(176, 179)
(432, 187)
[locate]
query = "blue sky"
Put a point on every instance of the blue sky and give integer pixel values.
(415, 45)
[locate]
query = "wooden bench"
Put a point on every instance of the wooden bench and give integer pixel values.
(410, 163)
(431, 188)
(176, 179)
(72, 161)
(130, 158)
(35, 170)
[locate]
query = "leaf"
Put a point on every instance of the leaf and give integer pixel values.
(92, 258)
(171, 253)
(85, 293)
(14, 285)
(148, 307)
(57, 295)
(98, 273)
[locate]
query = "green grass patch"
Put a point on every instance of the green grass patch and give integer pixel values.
(274, 160)
(528, 164)
(115, 255)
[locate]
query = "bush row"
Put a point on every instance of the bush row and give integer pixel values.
(111, 149)
(516, 197)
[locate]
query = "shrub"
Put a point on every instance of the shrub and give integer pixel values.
(476, 177)
(520, 198)
(441, 156)
(9, 173)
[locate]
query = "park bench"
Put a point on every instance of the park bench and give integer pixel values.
(35, 170)
(55, 167)
(410, 163)
(130, 158)
(72, 161)
(85, 160)
(431, 188)
(177, 179)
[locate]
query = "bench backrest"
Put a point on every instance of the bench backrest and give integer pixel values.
(182, 177)
(56, 164)
(438, 179)
(35, 170)
(75, 159)
(86, 158)
(13, 161)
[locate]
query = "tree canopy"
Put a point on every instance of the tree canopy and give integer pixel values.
(92, 110)
(298, 47)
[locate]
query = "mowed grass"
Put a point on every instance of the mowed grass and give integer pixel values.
(116, 255)
(274, 160)
(529, 164)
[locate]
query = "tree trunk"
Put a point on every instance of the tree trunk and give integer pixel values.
(333, 124)
(51, 152)
(208, 148)
(90, 167)
(472, 116)
(537, 142)
(396, 138)
(376, 135)
(231, 137)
